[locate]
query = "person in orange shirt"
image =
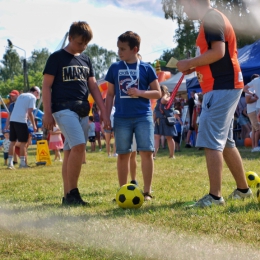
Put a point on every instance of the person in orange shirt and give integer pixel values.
(221, 81)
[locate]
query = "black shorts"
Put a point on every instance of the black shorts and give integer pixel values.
(92, 139)
(18, 132)
(177, 138)
(191, 128)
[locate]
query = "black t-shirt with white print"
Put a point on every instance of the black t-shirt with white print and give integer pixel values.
(71, 76)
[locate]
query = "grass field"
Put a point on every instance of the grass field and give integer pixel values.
(34, 225)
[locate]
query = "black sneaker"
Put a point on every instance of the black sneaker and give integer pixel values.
(74, 198)
(134, 182)
(63, 202)
(187, 146)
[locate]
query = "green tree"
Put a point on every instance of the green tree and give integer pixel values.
(35, 66)
(12, 65)
(38, 60)
(35, 79)
(101, 59)
(8, 85)
(11, 71)
(176, 53)
(236, 10)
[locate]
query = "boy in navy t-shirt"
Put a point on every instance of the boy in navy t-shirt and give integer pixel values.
(132, 83)
(68, 75)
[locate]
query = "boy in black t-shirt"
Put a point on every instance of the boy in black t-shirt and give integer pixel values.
(68, 75)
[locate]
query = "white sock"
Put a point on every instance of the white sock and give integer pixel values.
(22, 160)
(10, 160)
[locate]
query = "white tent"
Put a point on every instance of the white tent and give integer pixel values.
(171, 83)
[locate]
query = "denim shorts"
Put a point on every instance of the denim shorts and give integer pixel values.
(216, 119)
(243, 120)
(143, 129)
(73, 127)
(5, 155)
(109, 131)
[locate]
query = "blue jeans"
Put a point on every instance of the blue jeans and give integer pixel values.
(143, 129)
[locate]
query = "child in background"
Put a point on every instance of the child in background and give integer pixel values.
(133, 162)
(109, 135)
(91, 134)
(56, 142)
(178, 125)
(5, 145)
(96, 118)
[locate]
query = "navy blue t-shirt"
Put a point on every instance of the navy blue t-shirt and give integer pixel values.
(118, 75)
(71, 76)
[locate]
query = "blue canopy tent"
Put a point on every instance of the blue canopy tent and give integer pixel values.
(193, 84)
(249, 59)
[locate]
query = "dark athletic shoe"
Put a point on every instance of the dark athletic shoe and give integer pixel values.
(134, 182)
(63, 202)
(74, 198)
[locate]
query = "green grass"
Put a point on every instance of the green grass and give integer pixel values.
(34, 225)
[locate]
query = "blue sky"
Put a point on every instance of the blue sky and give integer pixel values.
(37, 24)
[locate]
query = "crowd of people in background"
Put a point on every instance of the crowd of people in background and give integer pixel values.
(183, 129)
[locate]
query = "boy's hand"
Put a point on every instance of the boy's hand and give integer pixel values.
(185, 67)
(133, 92)
(48, 121)
(107, 126)
(106, 121)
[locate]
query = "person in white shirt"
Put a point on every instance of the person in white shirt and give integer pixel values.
(23, 110)
(255, 85)
(251, 100)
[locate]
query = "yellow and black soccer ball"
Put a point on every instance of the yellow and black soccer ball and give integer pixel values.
(253, 180)
(129, 196)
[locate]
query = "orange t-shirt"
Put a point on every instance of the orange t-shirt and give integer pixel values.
(224, 73)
